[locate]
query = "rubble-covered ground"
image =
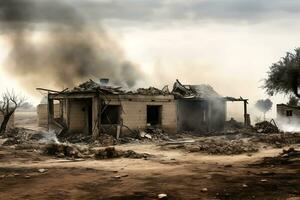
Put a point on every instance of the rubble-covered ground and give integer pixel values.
(237, 164)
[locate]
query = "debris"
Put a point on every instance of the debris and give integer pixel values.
(204, 190)
(64, 150)
(263, 180)
(152, 91)
(42, 170)
(162, 196)
(148, 136)
(27, 177)
(194, 91)
(266, 127)
(111, 152)
(278, 140)
(285, 158)
(215, 147)
(245, 185)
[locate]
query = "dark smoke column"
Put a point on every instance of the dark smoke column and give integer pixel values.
(68, 50)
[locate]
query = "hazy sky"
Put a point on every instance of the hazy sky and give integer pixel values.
(229, 44)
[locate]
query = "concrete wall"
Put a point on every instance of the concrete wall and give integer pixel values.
(11, 123)
(134, 112)
(42, 111)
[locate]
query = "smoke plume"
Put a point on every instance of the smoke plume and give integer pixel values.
(54, 46)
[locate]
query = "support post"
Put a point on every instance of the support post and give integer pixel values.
(50, 112)
(95, 108)
(245, 113)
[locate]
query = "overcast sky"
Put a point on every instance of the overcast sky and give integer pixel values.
(229, 44)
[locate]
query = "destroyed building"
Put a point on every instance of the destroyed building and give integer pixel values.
(94, 108)
(42, 112)
(288, 115)
(200, 108)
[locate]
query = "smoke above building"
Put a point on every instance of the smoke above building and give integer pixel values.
(52, 45)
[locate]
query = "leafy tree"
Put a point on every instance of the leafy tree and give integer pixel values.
(9, 102)
(264, 106)
(293, 101)
(284, 76)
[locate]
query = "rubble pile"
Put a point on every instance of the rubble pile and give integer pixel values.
(63, 150)
(106, 140)
(151, 91)
(266, 127)
(111, 152)
(92, 86)
(289, 156)
(278, 140)
(216, 147)
(17, 136)
(155, 134)
(75, 138)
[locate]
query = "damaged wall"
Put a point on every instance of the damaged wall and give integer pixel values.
(134, 111)
(42, 112)
(200, 116)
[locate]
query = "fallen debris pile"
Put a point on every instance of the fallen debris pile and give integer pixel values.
(62, 150)
(289, 156)
(278, 140)
(93, 86)
(75, 138)
(18, 136)
(215, 147)
(151, 91)
(155, 134)
(111, 152)
(74, 151)
(266, 127)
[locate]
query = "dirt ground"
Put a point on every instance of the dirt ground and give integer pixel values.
(178, 174)
(28, 174)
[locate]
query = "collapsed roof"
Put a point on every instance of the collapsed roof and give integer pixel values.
(179, 91)
(92, 86)
(194, 91)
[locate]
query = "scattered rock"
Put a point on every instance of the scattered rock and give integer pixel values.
(162, 196)
(42, 170)
(204, 190)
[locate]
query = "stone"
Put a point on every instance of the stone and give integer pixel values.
(42, 170)
(162, 196)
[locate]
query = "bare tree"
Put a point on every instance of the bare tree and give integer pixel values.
(9, 102)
